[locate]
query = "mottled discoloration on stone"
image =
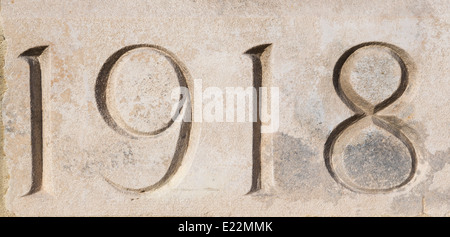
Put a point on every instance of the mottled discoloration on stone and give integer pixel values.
(380, 161)
(4, 177)
(374, 74)
(85, 153)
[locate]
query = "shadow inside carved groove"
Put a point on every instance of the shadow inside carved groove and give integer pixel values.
(37, 146)
(352, 175)
(104, 92)
(184, 139)
(260, 60)
(181, 148)
(371, 156)
(351, 97)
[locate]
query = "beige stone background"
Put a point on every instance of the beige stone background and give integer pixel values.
(3, 172)
(422, 28)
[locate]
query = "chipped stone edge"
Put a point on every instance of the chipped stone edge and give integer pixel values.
(4, 175)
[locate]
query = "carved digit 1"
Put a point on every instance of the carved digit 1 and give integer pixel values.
(38, 141)
(262, 173)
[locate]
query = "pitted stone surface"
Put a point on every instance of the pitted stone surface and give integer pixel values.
(89, 105)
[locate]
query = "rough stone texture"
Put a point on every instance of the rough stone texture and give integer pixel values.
(120, 154)
(4, 177)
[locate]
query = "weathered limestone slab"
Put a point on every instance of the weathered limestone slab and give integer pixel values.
(357, 98)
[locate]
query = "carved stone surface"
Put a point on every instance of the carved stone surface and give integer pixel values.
(235, 108)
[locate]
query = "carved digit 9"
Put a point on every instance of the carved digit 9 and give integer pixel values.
(188, 131)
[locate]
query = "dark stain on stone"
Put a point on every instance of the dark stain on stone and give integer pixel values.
(413, 199)
(293, 162)
(380, 162)
(300, 172)
(439, 159)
